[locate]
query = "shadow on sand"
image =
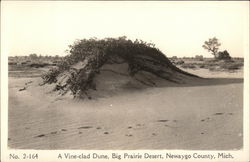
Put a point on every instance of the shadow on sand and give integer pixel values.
(194, 82)
(210, 82)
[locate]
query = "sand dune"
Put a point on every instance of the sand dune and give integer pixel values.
(200, 114)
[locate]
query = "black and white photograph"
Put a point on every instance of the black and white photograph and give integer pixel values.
(124, 75)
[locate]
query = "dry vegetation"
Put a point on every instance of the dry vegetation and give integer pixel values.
(77, 72)
(22, 66)
(209, 63)
(30, 66)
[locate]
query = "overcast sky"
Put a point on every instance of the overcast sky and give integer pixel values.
(177, 28)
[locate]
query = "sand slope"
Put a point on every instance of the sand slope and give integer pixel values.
(206, 114)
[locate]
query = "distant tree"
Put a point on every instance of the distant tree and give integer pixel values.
(199, 57)
(33, 56)
(212, 45)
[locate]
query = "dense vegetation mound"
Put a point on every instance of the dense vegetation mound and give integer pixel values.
(78, 70)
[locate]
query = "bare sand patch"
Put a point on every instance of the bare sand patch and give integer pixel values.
(204, 114)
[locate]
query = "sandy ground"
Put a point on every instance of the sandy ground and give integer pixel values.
(206, 114)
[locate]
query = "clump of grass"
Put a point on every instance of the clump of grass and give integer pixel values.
(188, 65)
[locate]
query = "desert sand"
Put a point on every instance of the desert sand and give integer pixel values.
(203, 114)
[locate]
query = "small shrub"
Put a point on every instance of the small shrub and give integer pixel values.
(51, 76)
(23, 63)
(202, 66)
(223, 55)
(179, 62)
